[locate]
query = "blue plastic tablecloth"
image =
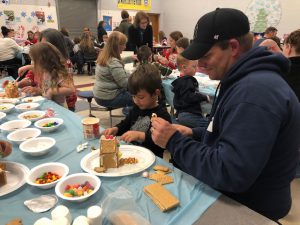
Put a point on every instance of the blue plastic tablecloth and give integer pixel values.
(195, 197)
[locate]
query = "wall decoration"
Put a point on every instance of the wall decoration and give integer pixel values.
(23, 14)
(32, 14)
(40, 17)
(263, 14)
(18, 19)
(20, 32)
(29, 20)
(108, 23)
(35, 28)
(134, 4)
(50, 19)
(1, 14)
(9, 17)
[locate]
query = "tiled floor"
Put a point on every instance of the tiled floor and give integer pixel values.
(293, 218)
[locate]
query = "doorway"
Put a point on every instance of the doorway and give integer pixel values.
(154, 20)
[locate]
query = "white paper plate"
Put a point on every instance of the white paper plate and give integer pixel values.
(15, 177)
(33, 99)
(145, 159)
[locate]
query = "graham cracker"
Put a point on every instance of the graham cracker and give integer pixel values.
(161, 178)
(161, 168)
(15, 222)
(161, 197)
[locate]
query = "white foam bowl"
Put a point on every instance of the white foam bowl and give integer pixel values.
(33, 115)
(37, 146)
(40, 124)
(14, 125)
(54, 167)
(78, 178)
(25, 134)
(27, 106)
(6, 107)
(2, 115)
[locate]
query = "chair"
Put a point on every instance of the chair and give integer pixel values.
(88, 95)
(9, 70)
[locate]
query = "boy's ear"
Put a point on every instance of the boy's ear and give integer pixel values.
(157, 92)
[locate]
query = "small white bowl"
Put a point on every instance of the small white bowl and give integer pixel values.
(37, 146)
(77, 178)
(27, 106)
(21, 135)
(41, 124)
(2, 115)
(14, 125)
(33, 115)
(54, 167)
(6, 107)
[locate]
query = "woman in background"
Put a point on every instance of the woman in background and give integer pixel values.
(101, 31)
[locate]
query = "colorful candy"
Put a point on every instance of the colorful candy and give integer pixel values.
(50, 124)
(47, 177)
(78, 190)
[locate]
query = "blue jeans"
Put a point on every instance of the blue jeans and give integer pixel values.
(192, 120)
(122, 100)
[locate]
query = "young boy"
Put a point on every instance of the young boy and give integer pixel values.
(181, 44)
(144, 85)
(187, 98)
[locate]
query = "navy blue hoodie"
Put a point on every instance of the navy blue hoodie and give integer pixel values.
(252, 152)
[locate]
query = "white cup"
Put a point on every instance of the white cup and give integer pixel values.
(61, 211)
(81, 220)
(94, 214)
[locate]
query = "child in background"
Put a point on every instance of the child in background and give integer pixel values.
(187, 98)
(181, 44)
(144, 85)
(49, 65)
(169, 55)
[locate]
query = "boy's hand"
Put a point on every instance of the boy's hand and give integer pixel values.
(131, 136)
(110, 131)
(32, 91)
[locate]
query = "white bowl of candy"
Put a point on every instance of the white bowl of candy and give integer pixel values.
(47, 175)
(27, 106)
(33, 115)
(37, 146)
(14, 125)
(49, 124)
(6, 107)
(77, 187)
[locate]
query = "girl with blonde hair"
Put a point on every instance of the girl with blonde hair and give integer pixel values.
(110, 88)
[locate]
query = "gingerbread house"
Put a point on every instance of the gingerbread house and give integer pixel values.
(11, 90)
(109, 152)
(3, 179)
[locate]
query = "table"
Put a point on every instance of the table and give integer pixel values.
(195, 197)
(159, 48)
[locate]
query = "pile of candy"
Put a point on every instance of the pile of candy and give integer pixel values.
(33, 116)
(50, 124)
(77, 190)
(47, 177)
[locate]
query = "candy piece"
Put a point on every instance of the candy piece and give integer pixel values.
(145, 174)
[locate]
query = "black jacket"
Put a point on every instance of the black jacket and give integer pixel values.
(293, 77)
(138, 37)
(187, 97)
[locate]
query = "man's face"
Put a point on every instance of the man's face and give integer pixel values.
(216, 62)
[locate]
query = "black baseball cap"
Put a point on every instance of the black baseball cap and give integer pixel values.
(219, 25)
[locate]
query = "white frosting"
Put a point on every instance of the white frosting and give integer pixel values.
(94, 214)
(61, 211)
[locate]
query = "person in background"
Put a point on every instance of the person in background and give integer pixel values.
(110, 88)
(30, 39)
(249, 151)
(271, 45)
(181, 44)
(37, 35)
(140, 33)
(124, 25)
(269, 33)
(101, 31)
(169, 55)
(87, 31)
(144, 85)
(187, 98)
(11, 52)
(68, 41)
(162, 39)
(76, 41)
(49, 64)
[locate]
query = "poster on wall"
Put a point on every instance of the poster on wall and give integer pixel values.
(108, 23)
(134, 4)
(40, 15)
(9, 17)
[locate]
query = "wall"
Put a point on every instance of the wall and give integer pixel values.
(26, 15)
(109, 8)
(184, 14)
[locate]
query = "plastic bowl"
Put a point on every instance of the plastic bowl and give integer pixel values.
(20, 135)
(54, 167)
(6, 107)
(42, 124)
(37, 146)
(2, 115)
(78, 178)
(33, 115)
(27, 106)
(14, 125)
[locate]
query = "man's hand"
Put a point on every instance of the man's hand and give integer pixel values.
(186, 131)
(110, 131)
(131, 136)
(161, 131)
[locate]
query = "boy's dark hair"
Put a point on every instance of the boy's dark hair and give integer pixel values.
(124, 14)
(183, 42)
(146, 77)
(176, 35)
(143, 53)
(270, 29)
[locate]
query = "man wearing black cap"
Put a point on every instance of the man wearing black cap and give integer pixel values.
(249, 150)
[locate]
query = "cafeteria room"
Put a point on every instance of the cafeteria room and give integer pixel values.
(94, 128)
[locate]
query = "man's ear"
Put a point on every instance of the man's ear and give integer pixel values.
(235, 47)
